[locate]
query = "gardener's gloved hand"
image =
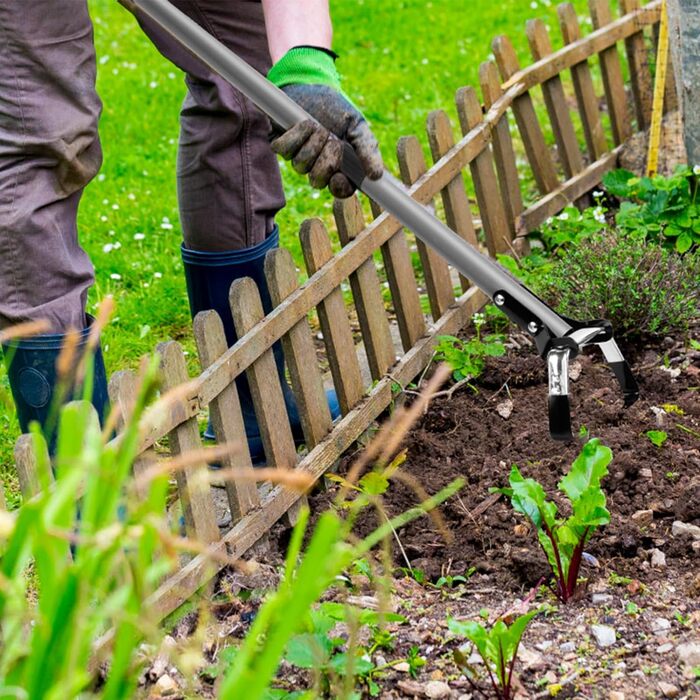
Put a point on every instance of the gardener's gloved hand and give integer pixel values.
(308, 75)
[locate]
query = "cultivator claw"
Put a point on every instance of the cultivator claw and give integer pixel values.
(558, 339)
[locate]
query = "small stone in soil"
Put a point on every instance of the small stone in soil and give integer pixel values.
(403, 667)
(668, 690)
(660, 625)
(658, 559)
(604, 635)
(601, 598)
(567, 647)
(643, 518)
(689, 653)
(616, 695)
(436, 689)
(543, 646)
(681, 529)
(664, 648)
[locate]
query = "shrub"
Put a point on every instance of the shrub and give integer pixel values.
(662, 209)
(643, 290)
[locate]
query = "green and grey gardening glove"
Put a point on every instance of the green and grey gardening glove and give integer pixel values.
(308, 75)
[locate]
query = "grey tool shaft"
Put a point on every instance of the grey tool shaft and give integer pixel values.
(483, 271)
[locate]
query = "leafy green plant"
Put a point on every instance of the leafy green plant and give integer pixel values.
(642, 290)
(563, 540)
(497, 646)
(662, 209)
(657, 437)
(572, 226)
(94, 555)
(467, 358)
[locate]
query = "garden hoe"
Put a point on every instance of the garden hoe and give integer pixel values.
(556, 337)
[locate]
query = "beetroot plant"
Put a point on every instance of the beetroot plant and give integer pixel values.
(497, 646)
(563, 540)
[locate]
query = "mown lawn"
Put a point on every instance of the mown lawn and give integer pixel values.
(400, 59)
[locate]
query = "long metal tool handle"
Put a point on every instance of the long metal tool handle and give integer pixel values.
(483, 271)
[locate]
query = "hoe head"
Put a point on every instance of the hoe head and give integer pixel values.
(559, 351)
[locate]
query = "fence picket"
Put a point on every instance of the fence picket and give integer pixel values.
(582, 79)
(526, 117)
(265, 388)
(226, 415)
(192, 482)
(493, 219)
(403, 285)
(612, 76)
(502, 143)
(333, 317)
(555, 101)
(640, 75)
(299, 350)
(458, 213)
(438, 282)
(366, 292)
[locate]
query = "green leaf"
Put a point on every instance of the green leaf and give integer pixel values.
(617, 182)
(309, 650)
(657, 437)
(528, 498)
(587, 470)
(684, 242)
(374, 483)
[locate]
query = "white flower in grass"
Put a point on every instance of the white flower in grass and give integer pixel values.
(131, 196)
(598, 193)
(115, 276)
(157, 275)
(115, 207)
(599, 215)
(139, 236)
(563, 216)
(533, 5)
(478, 320)
(117, 245)
(101, 177)
(103, 218)
(166, 226)
(153, 85)
(108, 248)
(696, 170)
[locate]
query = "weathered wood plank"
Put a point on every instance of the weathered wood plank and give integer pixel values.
(526, 118)
(123, 391)
(555, 101)
(403, 286)
(502, 143)
(568, 192)
(333, 317)
(640, 75)
(264, 380)
(299, 350)
(458, 215)
(491, 209)
(436, 270)
(192, 482)
(265, 387)
(613, 83)
(226, 415)
(366, 291)
(586, 98)
(26, 464)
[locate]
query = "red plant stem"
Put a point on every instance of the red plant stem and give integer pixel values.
(505, 688)
(561, 579)
(575, 564)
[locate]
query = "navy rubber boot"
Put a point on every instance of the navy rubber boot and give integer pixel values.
(209, 277)
(31, 369)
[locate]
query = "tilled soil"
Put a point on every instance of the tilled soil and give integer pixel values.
(466, 437)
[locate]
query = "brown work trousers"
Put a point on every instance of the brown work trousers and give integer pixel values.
(229, 186)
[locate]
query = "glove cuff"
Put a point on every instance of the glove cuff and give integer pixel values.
(306, 65)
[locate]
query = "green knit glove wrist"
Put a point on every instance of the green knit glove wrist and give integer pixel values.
(304, 65)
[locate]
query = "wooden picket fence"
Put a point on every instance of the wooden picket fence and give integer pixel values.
(563, 171)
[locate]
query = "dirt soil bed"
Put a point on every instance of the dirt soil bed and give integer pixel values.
(643, 579)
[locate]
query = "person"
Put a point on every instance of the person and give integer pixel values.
(228, 182)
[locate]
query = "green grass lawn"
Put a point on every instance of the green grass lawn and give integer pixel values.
(400, 59)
